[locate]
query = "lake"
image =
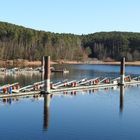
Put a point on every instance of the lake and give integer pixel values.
(104, 114)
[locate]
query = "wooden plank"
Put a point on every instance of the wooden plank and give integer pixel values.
(60, 89)
(101, 81)
(99, 86)
(132, 82)
(63, 83)
(87, 81)
(83, 87)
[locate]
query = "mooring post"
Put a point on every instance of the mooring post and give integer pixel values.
(47, 74)
(122, 71)
(42, 68)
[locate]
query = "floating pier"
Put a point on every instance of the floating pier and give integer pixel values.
(46, 86)
(64, 86)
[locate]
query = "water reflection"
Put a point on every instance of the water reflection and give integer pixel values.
(121, 99)
(47, 99)
(7, 100)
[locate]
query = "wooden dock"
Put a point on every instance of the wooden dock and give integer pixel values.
(66, 86)
(45, 86)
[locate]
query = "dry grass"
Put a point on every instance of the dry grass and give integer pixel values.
(25, 63)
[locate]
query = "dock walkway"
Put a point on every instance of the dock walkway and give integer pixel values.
(66, 86)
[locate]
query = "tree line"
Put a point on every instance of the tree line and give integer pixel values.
(113, 45)
(17, 42)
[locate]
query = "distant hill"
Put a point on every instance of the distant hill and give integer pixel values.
(113, 45)
(17, 42)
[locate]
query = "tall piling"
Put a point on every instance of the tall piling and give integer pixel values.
(47, 74)
(122, 71)
(42, 68)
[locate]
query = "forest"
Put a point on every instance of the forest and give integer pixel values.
(113, 45)
(18, 42)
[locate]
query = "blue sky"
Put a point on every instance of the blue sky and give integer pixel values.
(73, 16)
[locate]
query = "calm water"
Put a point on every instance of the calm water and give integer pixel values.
(96, 114)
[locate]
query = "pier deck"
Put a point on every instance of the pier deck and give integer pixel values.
(67, 89)
(9, 90)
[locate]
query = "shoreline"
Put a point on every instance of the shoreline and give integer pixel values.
(25, 63)
(135, 63)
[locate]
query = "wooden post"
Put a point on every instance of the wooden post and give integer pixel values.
(122, 71)
(42, 68)
(47, 74)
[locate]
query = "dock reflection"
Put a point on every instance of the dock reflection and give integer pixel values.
(121, 99)
(47, 99)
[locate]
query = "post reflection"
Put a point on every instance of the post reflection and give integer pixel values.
(121, 98)
(47, 99)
